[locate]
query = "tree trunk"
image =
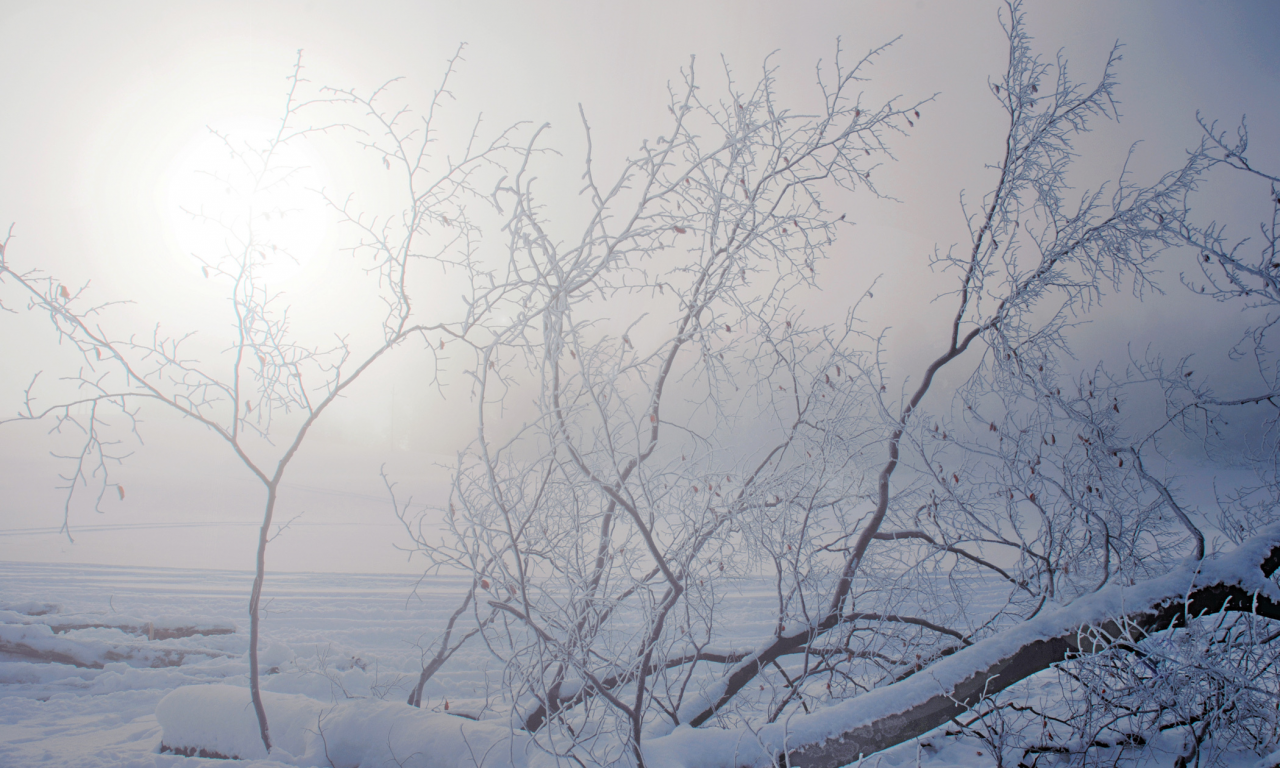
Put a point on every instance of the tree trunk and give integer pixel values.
(886, 717)
(1040, 644)
(255, 694)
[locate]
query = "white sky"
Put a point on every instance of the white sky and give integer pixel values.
(99, 99)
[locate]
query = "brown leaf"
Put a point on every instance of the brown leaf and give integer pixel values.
(120, 490)
(680, 230)
(62, 289)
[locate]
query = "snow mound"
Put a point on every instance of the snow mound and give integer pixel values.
(349, 734)
(31, 608)
(40, 642)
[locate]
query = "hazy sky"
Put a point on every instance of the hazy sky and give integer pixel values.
(101, 101)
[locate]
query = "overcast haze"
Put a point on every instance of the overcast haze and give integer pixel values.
(100, 100)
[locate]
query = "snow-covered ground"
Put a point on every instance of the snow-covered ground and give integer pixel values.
(328, 636)
(88, 654)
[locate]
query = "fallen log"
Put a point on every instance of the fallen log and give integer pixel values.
(885, 717)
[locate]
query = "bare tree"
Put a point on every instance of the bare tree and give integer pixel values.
(659, 421)
(691, 426)
(262, 394)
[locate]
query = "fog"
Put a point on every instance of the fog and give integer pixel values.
(104, 102)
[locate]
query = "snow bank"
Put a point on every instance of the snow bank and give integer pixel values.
(162, 627)
(88, 650)
(31, 608)
(348, 734)
(38, 641)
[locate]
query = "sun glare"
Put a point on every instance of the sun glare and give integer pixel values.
(231, 196)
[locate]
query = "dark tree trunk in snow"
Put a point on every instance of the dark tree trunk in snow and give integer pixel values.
(1238, 581)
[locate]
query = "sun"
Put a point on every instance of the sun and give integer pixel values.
(236, 196)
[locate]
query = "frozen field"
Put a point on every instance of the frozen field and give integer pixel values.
(329, 636)
(333, 637)
(88, 652)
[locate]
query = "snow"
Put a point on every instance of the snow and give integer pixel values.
(331, 636)
(1239, 567)
(309, 732)
(87, 680)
